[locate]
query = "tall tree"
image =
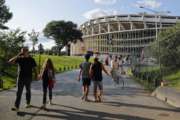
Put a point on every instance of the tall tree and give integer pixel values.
(33, 36)
(169, 47)
(62, 32)
(10, 44)
(5, 14)
(41, 48)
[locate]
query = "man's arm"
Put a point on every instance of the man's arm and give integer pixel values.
(103, 68)
(91, 71)
(80, 72)
(13, 60)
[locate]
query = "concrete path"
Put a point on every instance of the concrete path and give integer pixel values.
(130, 103)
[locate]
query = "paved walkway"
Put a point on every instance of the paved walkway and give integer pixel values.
(130, 103)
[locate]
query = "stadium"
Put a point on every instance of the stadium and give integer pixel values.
(121, 34)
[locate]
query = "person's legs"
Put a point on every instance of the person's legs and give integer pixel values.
(86, 85)
(28, 91)
(100, 85)
(83, 92)
(45, 85)
(50, 95)
(95, 91)
(86, 92)
(19, 93)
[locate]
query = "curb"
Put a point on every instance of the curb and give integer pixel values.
(169, 95)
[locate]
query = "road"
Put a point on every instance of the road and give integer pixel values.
(130, 103)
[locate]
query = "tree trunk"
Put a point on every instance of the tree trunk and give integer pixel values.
(68, 49)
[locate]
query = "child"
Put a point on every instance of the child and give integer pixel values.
(84, 72)
(48, 79)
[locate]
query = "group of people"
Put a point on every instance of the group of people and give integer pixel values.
(88, 72)
(26, 67)
(93, 71)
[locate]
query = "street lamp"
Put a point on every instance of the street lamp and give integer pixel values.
(157, 14)
(40, 50)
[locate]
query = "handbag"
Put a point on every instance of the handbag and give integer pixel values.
(51, 83)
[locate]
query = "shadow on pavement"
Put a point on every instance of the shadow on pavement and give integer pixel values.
(118, 104)
(83, 114)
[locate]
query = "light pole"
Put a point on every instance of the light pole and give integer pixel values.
(157, 14)
(40, 49)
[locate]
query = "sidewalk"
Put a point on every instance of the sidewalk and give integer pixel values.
(169, 95)
(130, 103)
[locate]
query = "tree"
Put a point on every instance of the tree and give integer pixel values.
(41, 48)
(10, 44)
(33, 36)
(169, 51)
(62, 32)
(5, 14)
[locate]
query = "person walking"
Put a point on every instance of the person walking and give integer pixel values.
(26, 65)
(115, 70)
(96, 75)
(84, 74)
(121, 70)
(48, 79)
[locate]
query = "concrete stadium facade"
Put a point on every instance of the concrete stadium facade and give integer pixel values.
(123, 34)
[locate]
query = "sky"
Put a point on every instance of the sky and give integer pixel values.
(35, 14)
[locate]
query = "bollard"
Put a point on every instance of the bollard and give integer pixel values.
(1, 83)
(64, 68)
(60, 69)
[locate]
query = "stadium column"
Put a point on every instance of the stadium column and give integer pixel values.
(108, 27)
(119, 26)
(92, 30)
(99, 28)
(131, 25)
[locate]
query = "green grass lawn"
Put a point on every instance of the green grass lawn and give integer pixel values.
(173, 79)
(61, 64)
(9, 82)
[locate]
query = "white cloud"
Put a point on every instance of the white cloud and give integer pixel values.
(105, 2)
(95, 13)
(47, 43)
(148, 3)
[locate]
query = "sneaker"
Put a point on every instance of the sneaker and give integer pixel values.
(50, 102)
(28, 105)
(15, 109)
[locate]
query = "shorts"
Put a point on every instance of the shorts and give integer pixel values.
(98, 84)
(86, 81)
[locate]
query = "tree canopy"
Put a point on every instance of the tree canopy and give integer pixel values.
(62, 32)
(10, 44)
(169, 51)
(5, 14)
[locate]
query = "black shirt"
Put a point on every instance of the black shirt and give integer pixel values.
(97, 71)
(25, 66)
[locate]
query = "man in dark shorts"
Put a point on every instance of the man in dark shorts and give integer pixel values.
(96, 75)
(84, 73)
(26, 65)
